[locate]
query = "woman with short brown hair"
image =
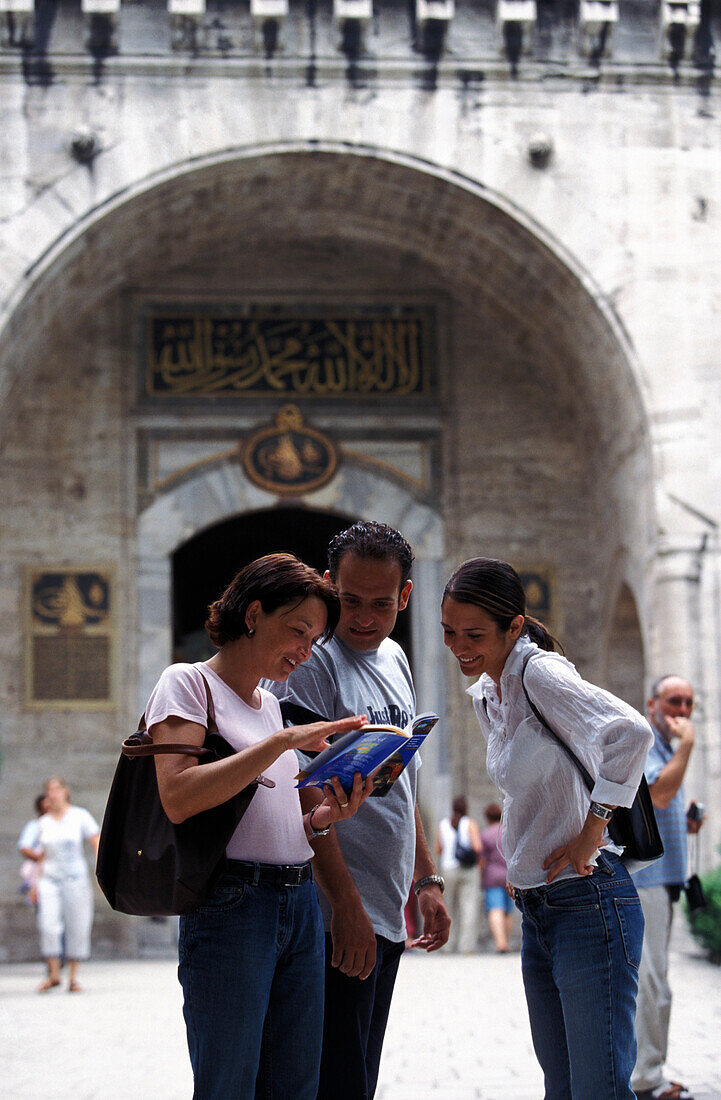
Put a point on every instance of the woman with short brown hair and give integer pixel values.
(251, 957)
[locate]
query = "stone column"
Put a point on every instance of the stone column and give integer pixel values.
(430, 684)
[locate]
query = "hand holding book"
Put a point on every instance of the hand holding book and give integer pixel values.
(338, 805)
(381, 752)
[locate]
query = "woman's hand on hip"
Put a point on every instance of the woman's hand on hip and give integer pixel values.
(337, 805)
(577, 852)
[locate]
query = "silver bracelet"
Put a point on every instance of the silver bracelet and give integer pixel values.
(313, 831)
(604, 812)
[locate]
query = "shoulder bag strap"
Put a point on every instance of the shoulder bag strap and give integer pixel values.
(566, 748)
(209, 706)
(141, 743)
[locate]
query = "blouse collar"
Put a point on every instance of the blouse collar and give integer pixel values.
(485, 686)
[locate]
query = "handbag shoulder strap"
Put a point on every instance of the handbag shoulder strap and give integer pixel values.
(212, 726)
(141, 743)
(566, 748)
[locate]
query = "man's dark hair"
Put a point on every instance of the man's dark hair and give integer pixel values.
(367, 539)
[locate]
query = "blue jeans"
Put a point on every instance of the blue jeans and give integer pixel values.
(251, 968)
(580, 955)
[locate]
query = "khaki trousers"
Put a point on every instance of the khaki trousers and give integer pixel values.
(653, 1005)
(462, 896)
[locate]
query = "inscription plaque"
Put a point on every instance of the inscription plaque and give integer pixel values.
(210, 354)
(539, 594)
(69, 654)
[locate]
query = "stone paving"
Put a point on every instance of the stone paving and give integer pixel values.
(457, 1031)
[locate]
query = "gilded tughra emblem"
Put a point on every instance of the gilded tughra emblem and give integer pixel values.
(69, 601)
(69, 632)
(289, 457)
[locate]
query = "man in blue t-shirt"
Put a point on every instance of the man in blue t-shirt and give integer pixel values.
(365, 872)
(659, 886)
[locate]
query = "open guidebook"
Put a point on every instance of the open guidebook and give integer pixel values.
(379, 751)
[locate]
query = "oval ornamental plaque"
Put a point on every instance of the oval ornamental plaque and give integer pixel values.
(289, 457)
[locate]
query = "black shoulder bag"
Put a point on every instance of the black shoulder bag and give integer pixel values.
(147, 865)
(632, 827)
(466, 856)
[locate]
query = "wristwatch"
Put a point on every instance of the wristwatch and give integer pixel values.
(429, 880)
(604, 812)
(313, 831)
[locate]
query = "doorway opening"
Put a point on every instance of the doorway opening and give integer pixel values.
(205, 565)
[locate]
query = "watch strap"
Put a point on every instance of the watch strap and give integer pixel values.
(429, 880)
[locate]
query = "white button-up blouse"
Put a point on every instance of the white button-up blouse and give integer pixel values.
(545, 800)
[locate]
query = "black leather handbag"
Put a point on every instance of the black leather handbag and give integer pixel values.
(146, 865)
(632, 827)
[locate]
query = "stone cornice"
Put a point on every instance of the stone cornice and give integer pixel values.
(470, 74)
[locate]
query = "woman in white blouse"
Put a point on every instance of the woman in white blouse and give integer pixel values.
(582, 920)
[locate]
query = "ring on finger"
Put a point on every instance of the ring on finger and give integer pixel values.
(342, 805)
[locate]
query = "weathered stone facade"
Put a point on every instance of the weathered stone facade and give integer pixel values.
(574, 421)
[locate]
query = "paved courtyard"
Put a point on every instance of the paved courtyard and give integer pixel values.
(457, 1031)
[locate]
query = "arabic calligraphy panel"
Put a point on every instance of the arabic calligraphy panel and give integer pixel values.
(203, 353)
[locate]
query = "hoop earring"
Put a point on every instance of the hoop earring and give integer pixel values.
(251, 631)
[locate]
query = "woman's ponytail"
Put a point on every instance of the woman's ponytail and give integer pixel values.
(539, 634)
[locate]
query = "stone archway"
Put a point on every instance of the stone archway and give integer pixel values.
(524, 334)
(324, 191)
(537, 440)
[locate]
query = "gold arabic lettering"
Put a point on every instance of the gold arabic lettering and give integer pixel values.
(207, 355)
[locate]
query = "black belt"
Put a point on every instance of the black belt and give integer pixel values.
(274, 874)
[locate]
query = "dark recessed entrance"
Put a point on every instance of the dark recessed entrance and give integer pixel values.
(206, 564)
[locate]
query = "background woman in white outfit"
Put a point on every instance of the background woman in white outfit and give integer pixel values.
(461, 890)
(65, 893)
